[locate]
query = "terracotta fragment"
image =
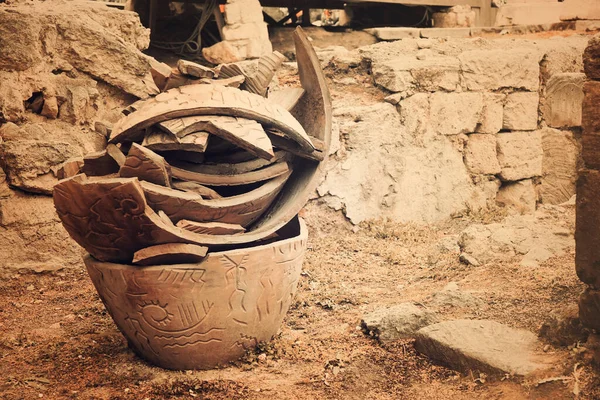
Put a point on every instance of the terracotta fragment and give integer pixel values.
(99, 163)
(163, 141)
(146, 165)
(169, 253)
(210, 228)
(287, 98)
(116, 153)
(70, 168)
(205, 192)
(228, 168)
(196, 70)
(234, 81)
(247, 178)
(259, 81)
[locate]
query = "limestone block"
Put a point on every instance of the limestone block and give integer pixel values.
(496, 69)
(429, 33)
(455, 113)
(414, 111)
(580, 9)
(244, 31)
(521, 111)
(481, 346)
(519, 197)
(454, 17)
(559, 166)
(492, 114)
(520, 155)
(389, 34)
(222, 53)
(529, 14)
(587, 234)
(589, 308)
(243, 12)
(591, 58)
(587, 25)
(484, 193)
(480, 154)
(564, 99)
(430, 74)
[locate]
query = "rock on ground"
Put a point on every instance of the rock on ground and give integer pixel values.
(398, 322)
(481, 346)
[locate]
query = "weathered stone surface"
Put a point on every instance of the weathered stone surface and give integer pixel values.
(587, 234)
(518, 196)
(529, 14)
(563, 100)
(591, 58)
(50, 108)
(589, 308)
(222, 53)
(451, 296)
(496, 69)
(520, 155)
(484, 346)
(397, 322)
(455, 113)
(431, 74)
(559, 166)
(243, 12)
(429, 33)
(480, 154)
(414, 112)
(193, 69)
(492, 114)
(591, 108)
(454, 17)
(388, 33)
(580, 9)
(521, 111)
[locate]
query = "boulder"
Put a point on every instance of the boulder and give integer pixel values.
(481, 346)
(559, 166)
(520, 155)
(521, 111)
(498, 69)
(397, 322)
(480, 154)
(519, 197)
(563, 100)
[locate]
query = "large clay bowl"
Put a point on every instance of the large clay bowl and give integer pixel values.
(198, 316)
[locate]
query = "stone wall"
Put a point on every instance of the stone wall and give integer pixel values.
(471, 123)
(587, 233)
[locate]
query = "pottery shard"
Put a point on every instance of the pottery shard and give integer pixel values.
(258, 80)
(481, 346)
(591, 58)
(146, 165)
(430, 74)
(272, 171)
(564, 98)
(232, 169)
(234, 81)
(520, 155)
(209, 100)
(160, 72)
(193, 187)
(587, 234)
(480, 154)
(521, 111)
(196, 70)
(211, 228)
(170, 253)
(398, 322)
(455, 113)
(99, 163)
(70, 168)
(559, 167)
(519, 197)
(287, 98)
(162, 141)
(110, 218)
(497, 69)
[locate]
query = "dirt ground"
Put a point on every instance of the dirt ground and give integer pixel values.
(58, 342)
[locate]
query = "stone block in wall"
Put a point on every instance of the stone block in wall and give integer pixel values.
(243, 12)
(591, 124)
(559, 166)
(455, 17)
(414, 111)
(492, 114)
(587, 234)
(591, 58)
(580, 9)
(520, 155)
(563, 100)
(497, 69)
(455, 113)
(480, 154)
(245, 31)
(589, 308)
(431, 74)
(519, 197)
(430, 33)
(529, 14)
(521, 111)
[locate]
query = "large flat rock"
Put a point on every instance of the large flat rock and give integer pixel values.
(484, 346)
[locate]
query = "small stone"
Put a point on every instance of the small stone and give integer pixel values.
(262, 357)
(30, 288)
(468, 259)
(50, 108)
(103, 128)
(394, 98)
(397, 322)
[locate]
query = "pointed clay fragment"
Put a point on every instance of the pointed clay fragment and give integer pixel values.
(131, 108)
(70, 168)
(170, 253)
(234, 81)
(99, 163)
(210, 228)
(146, 165)
(208, 100)
(205, 192)
(163, 141)
(259, 81)
(229, 169)
(181, 155)
(259, 175)
(242, 209)
(281, 142)
(160, 72)
(116, 154)
(287, 98)
(196, 70)
(110, 218)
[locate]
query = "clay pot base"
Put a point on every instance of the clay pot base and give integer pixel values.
(200, 316)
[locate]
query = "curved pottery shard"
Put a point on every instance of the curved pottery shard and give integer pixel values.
(169, 253)
(247, 178)
(198, 316)
(229, 168)
(146, 165)
(208, 100)
(163, 141)
(242, 209)
(110, 218)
